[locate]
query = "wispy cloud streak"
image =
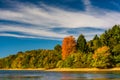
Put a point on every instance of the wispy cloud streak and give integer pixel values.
(31, 32)
(45, 18)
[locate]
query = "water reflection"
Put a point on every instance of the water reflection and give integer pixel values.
(41, 75)
(91, 76)
(21, 78)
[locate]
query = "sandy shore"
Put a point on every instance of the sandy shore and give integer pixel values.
(42, 69)
(83, 69)
(71, 69)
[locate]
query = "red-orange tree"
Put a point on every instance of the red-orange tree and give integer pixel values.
(68, 46)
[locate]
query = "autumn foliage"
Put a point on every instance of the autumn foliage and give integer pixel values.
(68, 46)
(103, 51)
(102, 58)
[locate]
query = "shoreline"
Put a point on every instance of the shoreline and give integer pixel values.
(70, 69)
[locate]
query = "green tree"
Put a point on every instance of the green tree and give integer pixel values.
(58, 48)
(116, 49)
(96, 42)
(81, 44)
(116, 60)
(111, 37)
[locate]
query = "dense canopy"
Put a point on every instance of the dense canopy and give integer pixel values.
(101, 52)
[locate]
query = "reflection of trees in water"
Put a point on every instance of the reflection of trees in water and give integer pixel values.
(67, 76)
(22, 78)
(87, 76)
(104, 79)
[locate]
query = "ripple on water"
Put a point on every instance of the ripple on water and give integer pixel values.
(42, 75)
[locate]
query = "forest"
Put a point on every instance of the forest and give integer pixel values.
(101, 52)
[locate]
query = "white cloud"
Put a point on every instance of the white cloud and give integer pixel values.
(15, 35)
(53, 17)
(46, 17)
(36, 33)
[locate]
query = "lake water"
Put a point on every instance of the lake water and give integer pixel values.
(42, 75)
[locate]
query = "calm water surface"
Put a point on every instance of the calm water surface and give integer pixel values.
(42, 75)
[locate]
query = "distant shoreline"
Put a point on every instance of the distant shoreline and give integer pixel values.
(71, 69)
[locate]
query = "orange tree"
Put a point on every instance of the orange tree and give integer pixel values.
(68, 46)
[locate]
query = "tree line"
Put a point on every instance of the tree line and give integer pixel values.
(101, 52)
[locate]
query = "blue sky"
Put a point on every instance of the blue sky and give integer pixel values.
(35, 24)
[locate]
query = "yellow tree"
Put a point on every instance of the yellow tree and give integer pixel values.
(102, 57)
(68, 46)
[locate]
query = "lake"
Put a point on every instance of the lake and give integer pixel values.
(46, 75)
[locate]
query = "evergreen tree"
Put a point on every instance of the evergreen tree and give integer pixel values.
(58, 48)
(81, 44)
(116, 49)
(111, 37)
(96, 42)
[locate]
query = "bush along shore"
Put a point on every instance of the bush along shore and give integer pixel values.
(101, 52)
